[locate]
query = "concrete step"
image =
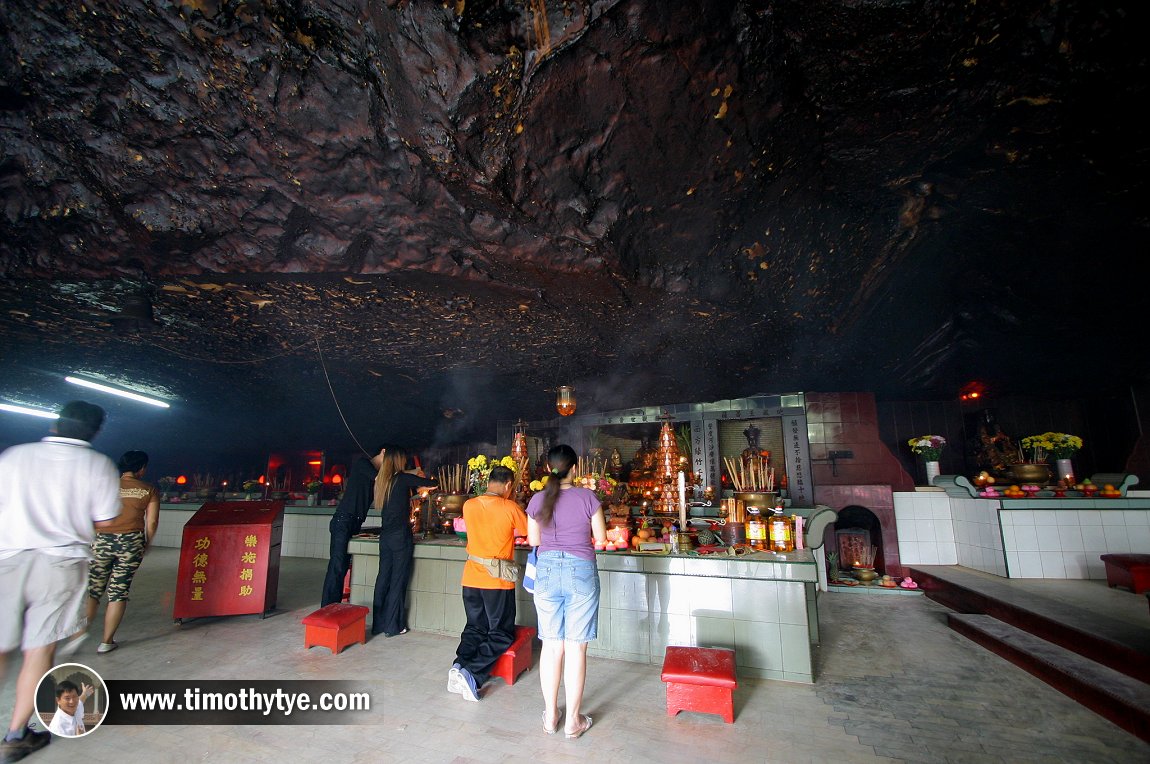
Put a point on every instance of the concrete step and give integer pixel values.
(1122, 699)
(1120, 646)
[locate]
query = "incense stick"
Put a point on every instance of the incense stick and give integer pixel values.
(452, 478)
(755, 477)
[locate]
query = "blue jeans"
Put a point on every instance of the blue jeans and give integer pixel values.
(567, 597)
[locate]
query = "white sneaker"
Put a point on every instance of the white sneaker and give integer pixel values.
(107, 647)
(470, 690)
(455, 681)
(72, 645)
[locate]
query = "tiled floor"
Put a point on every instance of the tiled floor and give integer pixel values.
(894, 684)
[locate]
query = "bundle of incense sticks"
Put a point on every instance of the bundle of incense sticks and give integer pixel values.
(585, 466)
(755, 477)
(453, 478)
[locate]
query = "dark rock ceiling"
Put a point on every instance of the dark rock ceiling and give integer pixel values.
(421, 217)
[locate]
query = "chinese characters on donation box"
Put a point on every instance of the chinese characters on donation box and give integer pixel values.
(229, 560)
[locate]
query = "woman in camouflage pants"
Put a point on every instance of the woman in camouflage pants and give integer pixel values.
(119, 548)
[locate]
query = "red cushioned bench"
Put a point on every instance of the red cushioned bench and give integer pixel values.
(517, 658)
(1129, 570)
(700, 679)
(335, 626)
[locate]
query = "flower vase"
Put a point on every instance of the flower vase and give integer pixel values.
(312, 499)
(932, 472)
(1065, 471)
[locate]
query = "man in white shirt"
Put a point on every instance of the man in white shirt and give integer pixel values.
(69, 717)
(53, 496)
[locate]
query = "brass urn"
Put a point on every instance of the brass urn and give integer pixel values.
(763, 500)
(1030, 473)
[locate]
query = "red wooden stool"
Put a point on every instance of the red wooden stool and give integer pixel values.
(700, 679)
(517, 658)
(335, 626)
(1129, 570)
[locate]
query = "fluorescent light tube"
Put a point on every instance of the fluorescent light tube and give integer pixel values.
(115, 391)
(28, 411)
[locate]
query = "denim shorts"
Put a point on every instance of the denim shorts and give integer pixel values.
(566, 597)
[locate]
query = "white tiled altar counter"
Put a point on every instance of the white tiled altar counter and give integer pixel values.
(762, 606)
(1021, 538)
(305, 529)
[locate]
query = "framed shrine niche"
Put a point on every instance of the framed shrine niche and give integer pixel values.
(621, 450)
(736, 436)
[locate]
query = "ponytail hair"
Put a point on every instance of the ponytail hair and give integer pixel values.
(394, 462)
(561, 459)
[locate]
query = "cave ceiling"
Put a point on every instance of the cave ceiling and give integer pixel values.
(408, 220)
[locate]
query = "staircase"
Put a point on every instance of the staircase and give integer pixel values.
(1103, 663)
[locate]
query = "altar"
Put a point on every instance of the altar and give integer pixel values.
(762, 606)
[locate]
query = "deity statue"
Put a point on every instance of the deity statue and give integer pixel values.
(752, 435)
(615, 465)
(753, 453)
(994, 451)
(645, 458)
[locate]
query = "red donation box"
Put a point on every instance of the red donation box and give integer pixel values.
(230, 559)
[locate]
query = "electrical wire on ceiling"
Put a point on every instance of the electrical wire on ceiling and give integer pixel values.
(213, 359)
(327, 378)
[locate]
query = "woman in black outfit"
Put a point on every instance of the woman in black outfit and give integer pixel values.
(347, 520)
(394, 486)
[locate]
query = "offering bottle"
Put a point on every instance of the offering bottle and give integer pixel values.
(756, 530)
(782, 533)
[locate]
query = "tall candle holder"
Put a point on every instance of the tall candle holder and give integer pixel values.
(667, 469)
(522, 458)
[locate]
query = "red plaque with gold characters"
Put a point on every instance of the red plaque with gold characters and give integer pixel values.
(230, 559)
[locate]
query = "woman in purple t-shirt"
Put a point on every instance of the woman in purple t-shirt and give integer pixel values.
(561, 521)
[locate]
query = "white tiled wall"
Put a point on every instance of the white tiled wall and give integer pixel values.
(937, 529)
(977, 535)
(303, 535)
(170, 531)
(925, 528)
(1069, 543)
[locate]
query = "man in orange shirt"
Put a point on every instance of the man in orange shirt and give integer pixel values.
(493, 521)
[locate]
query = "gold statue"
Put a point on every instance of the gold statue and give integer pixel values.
(615, 466)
